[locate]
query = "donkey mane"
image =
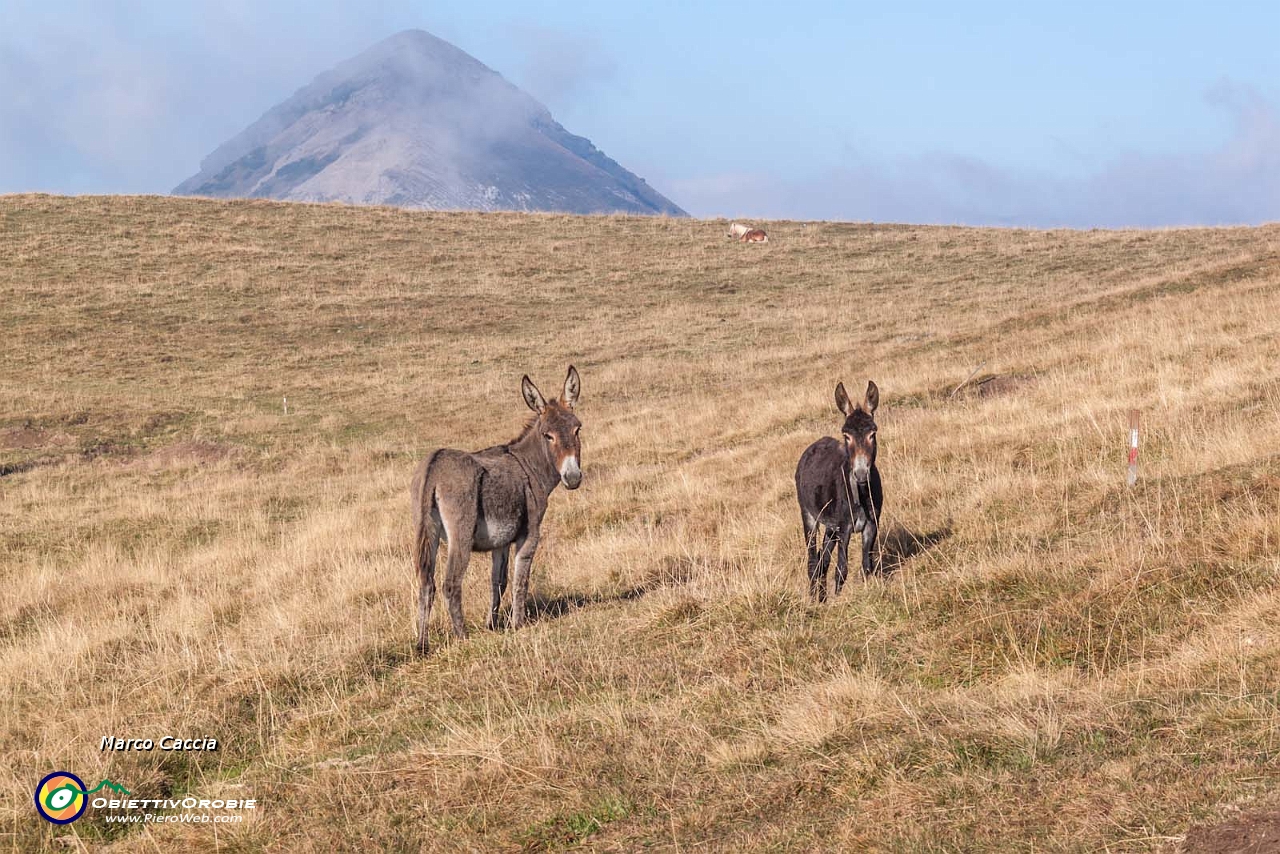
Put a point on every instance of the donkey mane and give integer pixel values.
(533, 420)
(526, 429)
(859, 419)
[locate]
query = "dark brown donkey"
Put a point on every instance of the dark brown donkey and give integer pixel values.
(838, 486)
(486, 500)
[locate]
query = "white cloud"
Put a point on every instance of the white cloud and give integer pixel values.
(559, 69)
(1235, 183)
(129, 97)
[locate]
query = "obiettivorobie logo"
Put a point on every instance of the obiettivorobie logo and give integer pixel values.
(62, 798)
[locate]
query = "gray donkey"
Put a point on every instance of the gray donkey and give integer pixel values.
(838, 485)
(486, 500)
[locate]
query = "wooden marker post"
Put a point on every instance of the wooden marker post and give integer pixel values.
(1133, 447)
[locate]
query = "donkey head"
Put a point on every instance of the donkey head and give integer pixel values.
(859, 430)
(559, 427)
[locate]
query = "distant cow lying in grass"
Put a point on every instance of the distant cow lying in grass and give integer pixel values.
(744, 234)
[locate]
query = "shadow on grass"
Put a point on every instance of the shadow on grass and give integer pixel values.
(900, 544)
(671, 571)
(553, 607)
(7, 469)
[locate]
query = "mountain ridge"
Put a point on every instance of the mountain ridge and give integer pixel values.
(416, 122)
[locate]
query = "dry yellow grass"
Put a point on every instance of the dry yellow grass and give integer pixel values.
(1057, 663)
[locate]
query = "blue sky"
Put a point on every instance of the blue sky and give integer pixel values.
(1081, 114)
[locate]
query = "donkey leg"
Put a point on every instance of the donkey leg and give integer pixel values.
(426, 547)
(811, 550)
(455, 568)
(824, 561)
(460, 529)
(868, 547)
(520, 592)
(501, 557)
(842, 558)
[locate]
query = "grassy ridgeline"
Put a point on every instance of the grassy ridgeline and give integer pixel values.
(1057, 661)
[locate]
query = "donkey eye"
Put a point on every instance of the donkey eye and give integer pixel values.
(871, 437)
(577, 430)
(550, 438)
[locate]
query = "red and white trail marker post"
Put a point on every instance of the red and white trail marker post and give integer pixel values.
(1132, 477)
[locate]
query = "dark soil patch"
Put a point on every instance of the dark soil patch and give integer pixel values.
(96, 448)
(986, 386)
(28, 438)
(1253, 833)
(188, 451)
(995, 386)
(7, 469)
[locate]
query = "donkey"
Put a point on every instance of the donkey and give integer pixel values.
(487, 500)
(838, 486)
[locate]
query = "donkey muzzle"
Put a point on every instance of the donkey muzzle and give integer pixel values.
(570, 473)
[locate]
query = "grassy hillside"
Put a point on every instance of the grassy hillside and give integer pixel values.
(1056, 662)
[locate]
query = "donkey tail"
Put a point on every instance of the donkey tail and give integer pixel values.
(424, 500)
(426, 543)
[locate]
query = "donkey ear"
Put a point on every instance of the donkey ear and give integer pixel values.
(842, 400)
(873, 397)
(532, 396)
(572, 387)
